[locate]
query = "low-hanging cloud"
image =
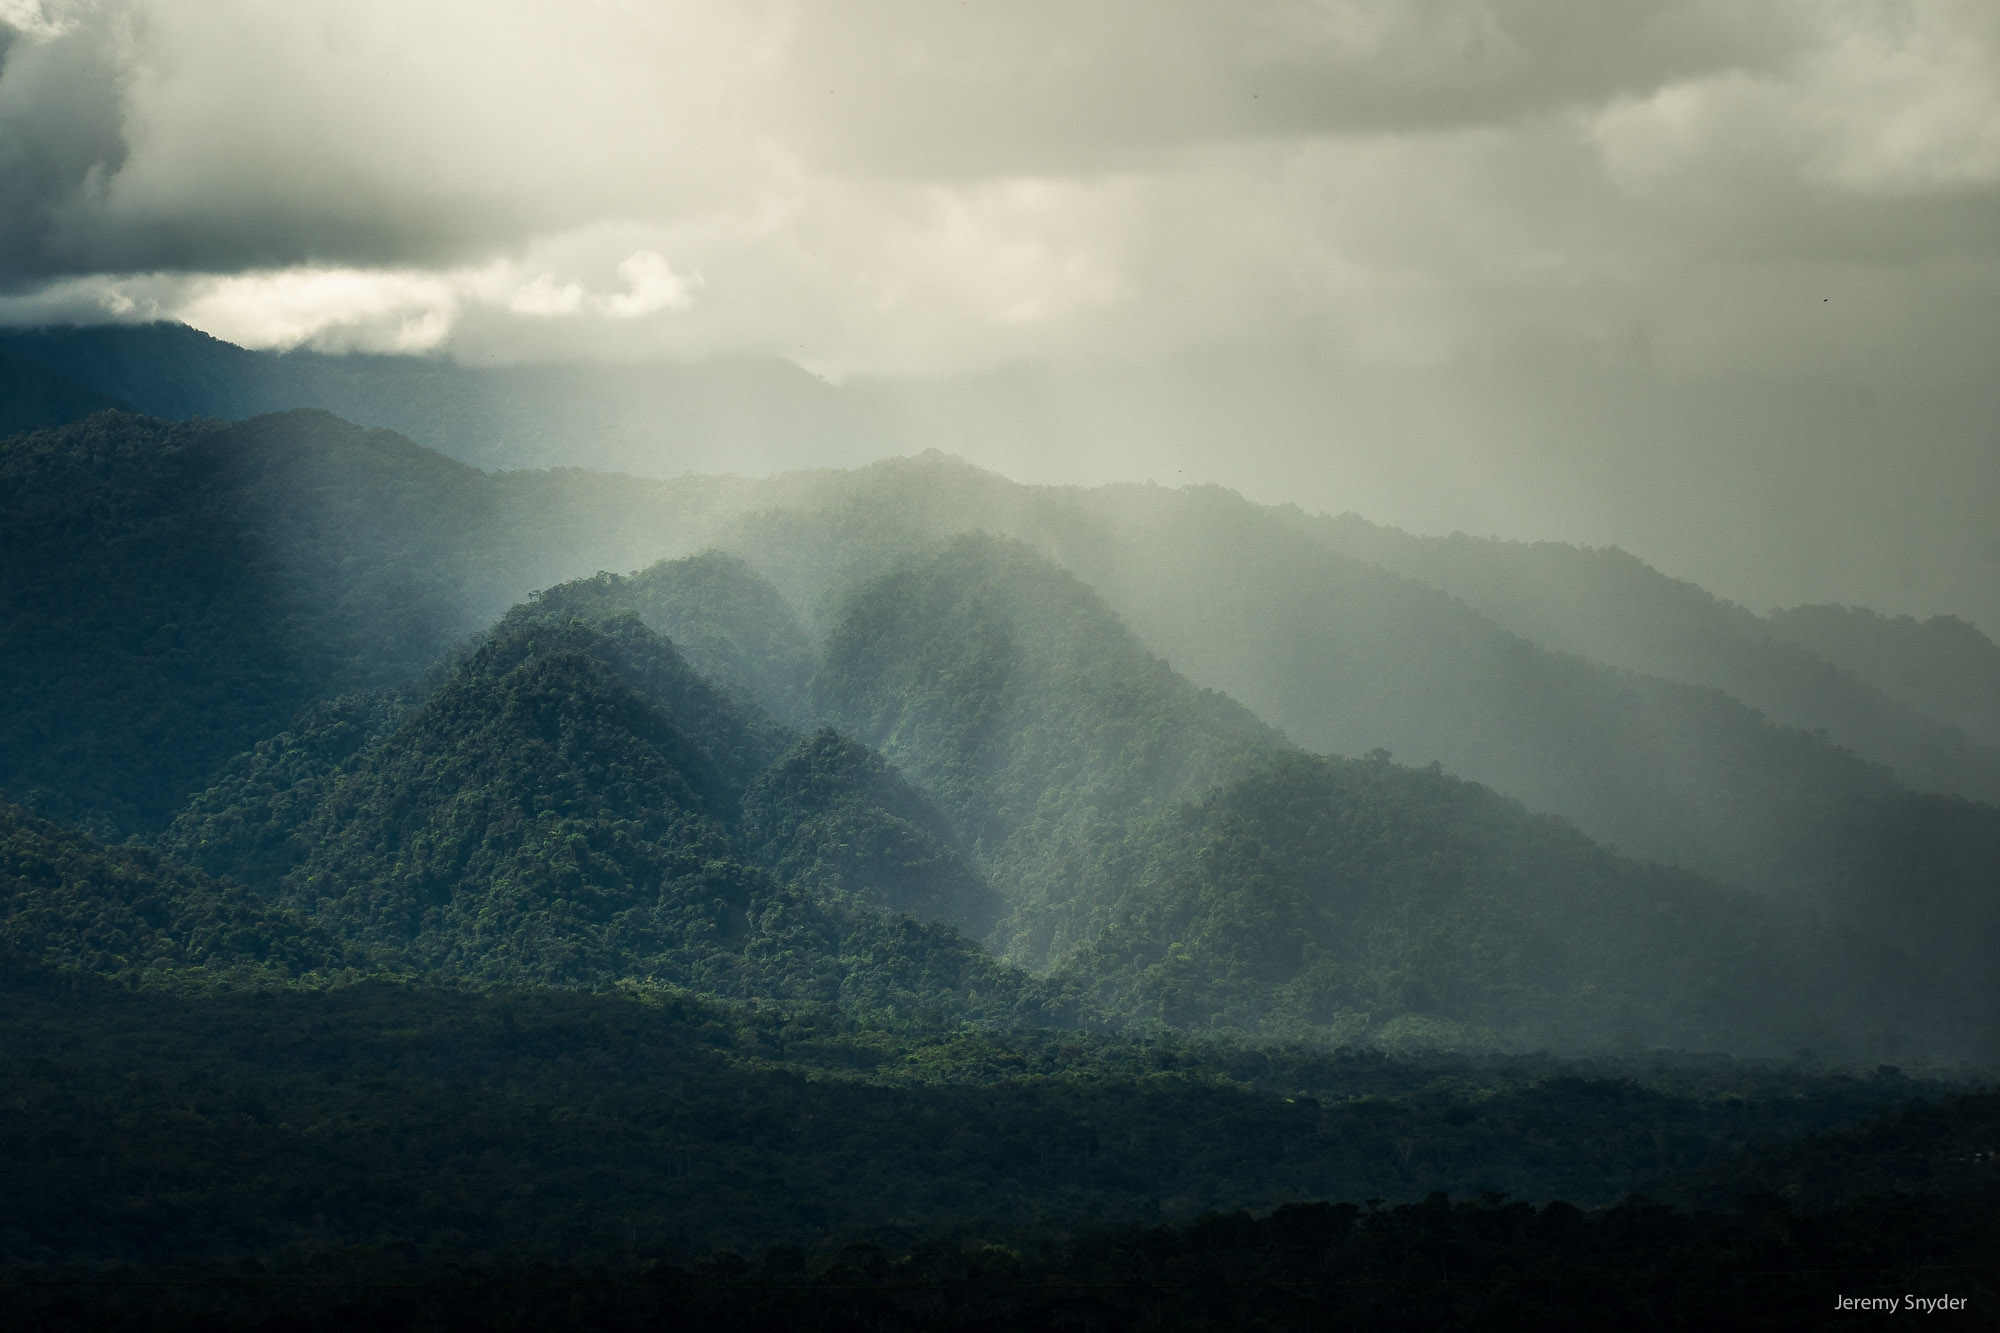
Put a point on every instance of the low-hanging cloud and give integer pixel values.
(1502, 208)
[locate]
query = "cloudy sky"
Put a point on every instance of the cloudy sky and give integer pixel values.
(1715, 281)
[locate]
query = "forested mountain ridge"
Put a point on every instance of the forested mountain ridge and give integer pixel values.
(1635, 618)
(730, 623)
(1152, 873)
(1941, 665)
(827, 809)
(1609, 607)
(1366, 900)
(355, 558)
(1011, 695)
(173, 594)
(567, 806)
(832, 815)
(1148, 845)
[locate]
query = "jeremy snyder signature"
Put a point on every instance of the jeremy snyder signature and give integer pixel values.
(1920, 1304)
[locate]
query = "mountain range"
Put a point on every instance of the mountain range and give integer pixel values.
(911, 772)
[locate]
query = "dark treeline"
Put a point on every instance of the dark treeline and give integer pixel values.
(231, 1121)
(1434, 1264)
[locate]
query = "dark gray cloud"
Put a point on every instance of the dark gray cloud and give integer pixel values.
(62, 137)
(221, 136)
(1041, 86)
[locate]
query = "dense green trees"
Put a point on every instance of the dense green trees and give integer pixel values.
(730, 624)
(531, 1123)
(1359, 898)
(1181, 865)
(833, 816)
(1346, 656)
(572, 802)
(194, 589)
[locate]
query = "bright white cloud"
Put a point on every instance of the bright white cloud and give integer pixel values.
(651, 285)
(544, 298)
(333, 309)
(371, 310)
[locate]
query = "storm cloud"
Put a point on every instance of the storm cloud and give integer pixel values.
(1719, 281)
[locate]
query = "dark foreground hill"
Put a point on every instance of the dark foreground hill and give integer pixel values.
(379, 1113)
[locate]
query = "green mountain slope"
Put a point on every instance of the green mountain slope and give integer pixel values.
(1180, 865)
(832, 816)
(536, 818)
(829, 810)
(172, 594)
(1363, 899)
(306, 560)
